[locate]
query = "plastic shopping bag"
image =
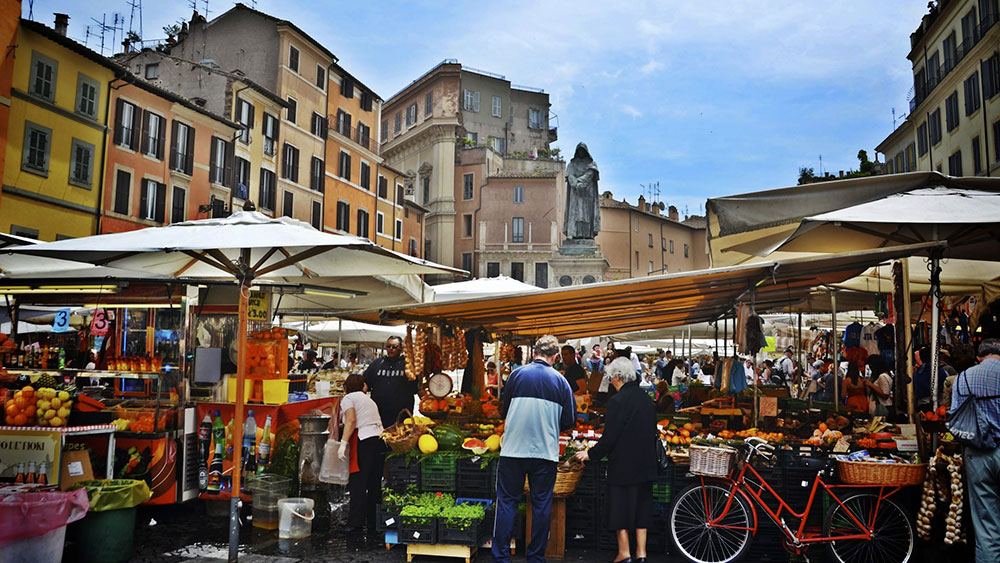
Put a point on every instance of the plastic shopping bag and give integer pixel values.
(28, 515)
(334, 470)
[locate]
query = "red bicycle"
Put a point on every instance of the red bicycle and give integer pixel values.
(714, 521)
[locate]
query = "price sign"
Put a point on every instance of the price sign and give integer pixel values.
(257, 306)
(769, 406)
(99, 323)
(61, 322)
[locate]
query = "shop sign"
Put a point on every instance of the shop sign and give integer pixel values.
(99, 323)
(61, 322)
(19, 448)
(257, 306)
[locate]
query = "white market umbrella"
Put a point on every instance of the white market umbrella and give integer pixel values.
(246, 246)
(481, 287)
(330, 332)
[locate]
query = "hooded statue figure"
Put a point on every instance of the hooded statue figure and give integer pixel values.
(583, 209)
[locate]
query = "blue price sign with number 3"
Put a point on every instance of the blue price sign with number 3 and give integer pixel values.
(61, 322)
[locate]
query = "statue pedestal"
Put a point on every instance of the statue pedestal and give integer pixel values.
(578, 262)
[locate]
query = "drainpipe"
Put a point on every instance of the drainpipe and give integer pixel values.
(630, 243)
(986, 129)
(104, 156)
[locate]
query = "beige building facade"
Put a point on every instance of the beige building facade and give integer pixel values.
(645, 239)
(954, 121)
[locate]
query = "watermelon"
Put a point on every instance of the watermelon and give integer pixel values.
(475, 445)
(449, 437)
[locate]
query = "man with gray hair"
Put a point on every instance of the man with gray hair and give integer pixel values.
(981, 384)
(537, 405)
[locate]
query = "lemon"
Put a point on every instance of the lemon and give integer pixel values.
(55, 403)
(493, 442)
(50, 414)
(56, 421)
(63, 412)
(64, 396)
(427, 444)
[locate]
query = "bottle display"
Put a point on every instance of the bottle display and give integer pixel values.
(42, 478)
(20, 473)
(30, 477)
(249, 453)
(204, 448)
(264, 448)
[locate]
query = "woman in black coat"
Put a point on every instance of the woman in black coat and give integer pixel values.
(629, 442)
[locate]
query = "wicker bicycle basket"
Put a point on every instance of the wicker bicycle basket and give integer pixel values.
(711, 461)
(888, 474)
(567, 476)
(403, 437)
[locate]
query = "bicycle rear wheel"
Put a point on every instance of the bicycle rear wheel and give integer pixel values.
(892, 535)
(724, 542)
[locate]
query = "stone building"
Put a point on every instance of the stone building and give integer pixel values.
(954, 122)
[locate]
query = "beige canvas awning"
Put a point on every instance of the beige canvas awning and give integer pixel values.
(649, 302)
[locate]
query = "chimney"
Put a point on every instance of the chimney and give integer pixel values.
(672, 213)
(62, 22)
(642, 204)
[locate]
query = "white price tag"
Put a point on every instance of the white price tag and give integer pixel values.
(416, 535)
(74, 468)
(590, 433)
(390, 522)
(475, 459)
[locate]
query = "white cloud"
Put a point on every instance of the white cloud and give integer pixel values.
(651, 67)
(629, 110)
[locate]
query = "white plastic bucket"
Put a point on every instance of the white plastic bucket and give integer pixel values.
(295, 516)
(47, 547)
(323, 388)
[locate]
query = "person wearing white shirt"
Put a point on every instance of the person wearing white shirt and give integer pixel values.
(360, 413)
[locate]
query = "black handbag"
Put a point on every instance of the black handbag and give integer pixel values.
(662, 459)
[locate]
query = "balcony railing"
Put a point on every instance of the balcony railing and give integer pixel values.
(360, 136)
(934, 76)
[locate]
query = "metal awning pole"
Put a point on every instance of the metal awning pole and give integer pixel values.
(835, 344)
(935, 325)
(908, 339)
(798, 345)
(340, 341)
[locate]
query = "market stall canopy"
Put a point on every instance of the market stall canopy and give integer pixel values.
(481, 287)
(649, 302)
(211, 249)
(744, 228)
(333, 332)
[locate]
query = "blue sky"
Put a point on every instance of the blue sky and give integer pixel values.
(707, 98)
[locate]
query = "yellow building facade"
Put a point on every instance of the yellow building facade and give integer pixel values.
(57, 134)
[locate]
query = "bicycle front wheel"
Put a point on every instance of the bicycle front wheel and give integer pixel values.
(892, 535)
(724, 541)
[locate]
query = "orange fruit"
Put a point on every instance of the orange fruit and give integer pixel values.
(20, 402)
(29, 411)
(12, 409)
(20, 420)
(823, 427)
(28, 391)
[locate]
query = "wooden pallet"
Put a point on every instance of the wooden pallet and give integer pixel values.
(440, 550)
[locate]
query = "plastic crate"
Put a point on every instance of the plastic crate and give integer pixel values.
(418, 529)
(473, 480)
(793, 455)
(439, 462)
(401, 472)
(437, 482)
(661, 492)
(474, 535)
(386, 518)
(593, 481)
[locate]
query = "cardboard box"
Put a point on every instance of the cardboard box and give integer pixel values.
(75, 468)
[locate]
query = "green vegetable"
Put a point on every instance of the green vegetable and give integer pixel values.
(463, 516)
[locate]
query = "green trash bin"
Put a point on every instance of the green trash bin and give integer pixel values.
(106, 534)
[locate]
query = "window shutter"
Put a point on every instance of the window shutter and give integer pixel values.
(144, 145)
(161, 203)
(136, 129)
(275, 125)
(174, 157)
(250, 112)
(119, 132)
(475, 101)
(324, 127)
(227, 175)
(143, 198)
(162, 140)
(189, 157)
(214, 153)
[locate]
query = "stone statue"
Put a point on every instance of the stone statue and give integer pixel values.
(582, 219)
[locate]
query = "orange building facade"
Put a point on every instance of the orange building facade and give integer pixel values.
(168, 160)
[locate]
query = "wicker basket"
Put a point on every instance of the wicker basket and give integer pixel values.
(400, 437)
(567, 476)
(711, 461)
(888, 474)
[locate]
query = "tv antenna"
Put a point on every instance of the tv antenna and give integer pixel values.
(103, 28)
(135, 5)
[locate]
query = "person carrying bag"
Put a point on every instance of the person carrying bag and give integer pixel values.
(363, 425)
(335, 469)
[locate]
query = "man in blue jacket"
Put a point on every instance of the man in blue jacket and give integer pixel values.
(537, 405)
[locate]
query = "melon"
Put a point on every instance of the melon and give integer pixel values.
(493, 442)
(427, 444)
(475, 445)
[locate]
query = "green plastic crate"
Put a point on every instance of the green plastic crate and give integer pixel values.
(439, 462)
(661, 492)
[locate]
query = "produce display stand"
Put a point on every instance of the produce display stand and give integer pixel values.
(466, 552)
